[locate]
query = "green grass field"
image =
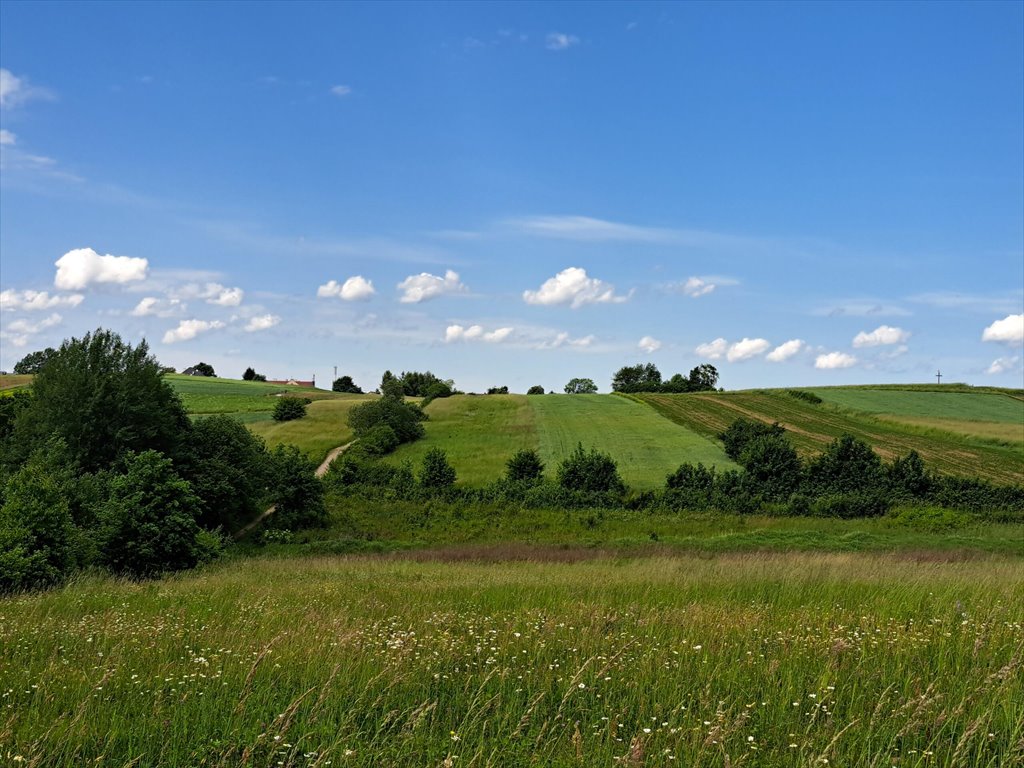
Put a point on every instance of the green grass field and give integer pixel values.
(325, 426)
(566, 659)
(481, 433)
(812, 427)
(14, 381)
(207, 395)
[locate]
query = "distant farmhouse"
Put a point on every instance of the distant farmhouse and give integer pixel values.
(294, 382)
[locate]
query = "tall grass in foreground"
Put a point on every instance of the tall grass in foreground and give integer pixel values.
(753, 660)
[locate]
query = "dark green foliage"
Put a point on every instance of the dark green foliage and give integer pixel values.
(33, 362)
(436, 473)
(908, 478)
(525, 466)
(691, 487)
(200, 369)
(497, 390)
(105, 398)
(228, 468)
(379, 440)
(850, 505)
(592, 472)
(391, 389)
(675, 385)
(345, 384)
(773, 469)
(848, 465)
(975, 495)
(249, 374)
(642, 377)
(298, 493)
(536, 389)
(403, 418)
(11, 405)
(580, 387)
(37, 534)
(703, 378)
(416, 384)
(807, 397)
(148, 526)
(290, 408)
(742, 431)
(437, 390)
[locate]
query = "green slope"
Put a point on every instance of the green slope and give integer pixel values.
(812, 427)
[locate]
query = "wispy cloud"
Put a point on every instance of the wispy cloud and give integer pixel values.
(341, 90)
(971, 302)
(476, 333)
(881, 336)
(31, 301)
(189, 329)
(560, 41)
(7, 138)
(649, 344)
(1003, 365)
(861, 308)
(15, 90)
(785, 351)
(262, 322)
(19, 332)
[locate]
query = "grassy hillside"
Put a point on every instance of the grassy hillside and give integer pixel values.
(14, 381)
(563, 659)
(481, 433)
(325, 426)
(812, 427)
(244, 399)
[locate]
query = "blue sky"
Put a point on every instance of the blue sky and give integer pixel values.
(516, 194)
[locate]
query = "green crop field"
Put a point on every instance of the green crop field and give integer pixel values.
(207, 395)
(811, 427)
(565, 659)
(481, 433)
(14, 381)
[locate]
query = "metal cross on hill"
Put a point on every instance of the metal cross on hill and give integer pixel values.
(938, 377)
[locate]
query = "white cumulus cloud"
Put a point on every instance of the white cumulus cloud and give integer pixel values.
(572, 286)
(713, 349)
(19, 332)
(834, 360)
(785, 351)
(152, 306)
(356, 288)
(476, 333)
(649, 344)
(746, 349)
(1009, 330)
(83, 267)
(559, 41)
(37, 300)
(7, 138)
(695, 287)
(882, 335)
(262, 323)
(189, 329)
(15, 90)
(424, 286)
(1002, 365)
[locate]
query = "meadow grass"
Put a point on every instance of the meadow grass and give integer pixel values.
(479, 434)
(724, 660)
(14, 381)
(204, 395)
(964, 406)
(645, 446)
(812, 427)
(325, 426)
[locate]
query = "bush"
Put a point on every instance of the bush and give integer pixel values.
(848, 466)
(403, 418)
(497, 390)
(298, 494)
(773, 469)
(436, 473)
(690, 487)
(580, 387)
(807, 397)
(149, 524)
(290, 408)
(850, 505)
(379, 440)
(37, 534)
(345, 384)
(536, 389)
(525, 466)
(742, 431)
(591, 471)
(931, 519)
(908, 478)
(227, 466)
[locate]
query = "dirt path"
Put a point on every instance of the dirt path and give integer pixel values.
(320, 472)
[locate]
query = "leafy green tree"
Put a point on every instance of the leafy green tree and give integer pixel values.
(345, 384)
(417, 384)
(435, 472)
(742, 431)
(677, 384)
(289, 408)
(249, 374)
(228, 467)
(201, 369)
(536, 389)
(33, 362)
(691, 486)
(590, 472)
(11, 406)
(105, 398)
(403, 418)
(908, 477)
(379, 440)
(298, 494)
(580, 387)
(703, 378)
(524, 466)
(149, 524)
(773, 469)
(37, 534)
(848, 466)
(642, 377)
(497, 390)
